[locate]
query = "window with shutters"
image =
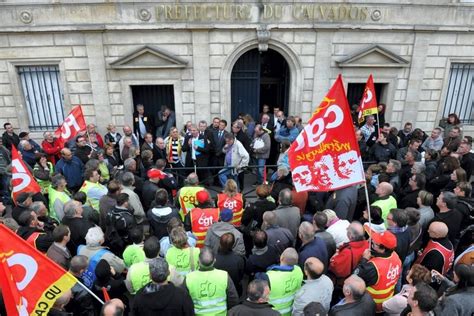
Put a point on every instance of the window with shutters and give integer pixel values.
(460, 95)
(43, 96)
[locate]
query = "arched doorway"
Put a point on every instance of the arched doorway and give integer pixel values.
(259, 78)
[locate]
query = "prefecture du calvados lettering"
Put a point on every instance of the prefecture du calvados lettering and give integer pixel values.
(252, 12)
(334, 146)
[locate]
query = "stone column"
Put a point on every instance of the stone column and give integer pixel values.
(322, 66)
(415, 78)
(201, 76)
(97, 68)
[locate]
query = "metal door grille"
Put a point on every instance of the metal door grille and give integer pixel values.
(43, 96)
(460, 96)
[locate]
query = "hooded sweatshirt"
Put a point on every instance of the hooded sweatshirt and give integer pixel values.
(159, 216)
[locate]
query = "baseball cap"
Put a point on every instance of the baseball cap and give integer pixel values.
(386, 238)
(155, 173)
(226, 215)
(202, 196)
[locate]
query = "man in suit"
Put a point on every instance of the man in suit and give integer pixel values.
(197, 147)
(266, 112)
(142, 123)
(149, 145)
(218, 143)
(165, 120)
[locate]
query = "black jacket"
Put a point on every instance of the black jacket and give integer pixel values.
(255, 211)
(363, 307)
(148, 193)
(43, 241)
(78, 227)
(82, 303)
(247, 308)
(234, 265)
(83, 153)
(158, 218)
(202, 160)
(8, 140)
(164, 300)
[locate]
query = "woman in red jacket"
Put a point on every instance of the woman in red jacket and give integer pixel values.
(52, 147)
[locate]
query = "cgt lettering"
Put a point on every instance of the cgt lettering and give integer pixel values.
(191, 199)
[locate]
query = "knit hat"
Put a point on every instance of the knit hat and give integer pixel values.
(102, 271)
(226, 215)
(202, 196)
(156, 174)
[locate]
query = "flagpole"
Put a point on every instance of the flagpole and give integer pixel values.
(368, 203)
(90, 292)
(378, 124)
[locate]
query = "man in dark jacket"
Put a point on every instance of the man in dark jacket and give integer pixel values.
(82, 303)
(397, 221)
(383, 151)
(311, 246)
(142, 123)
(83, 150)
(197, 147)
(160, 297)
(160, 214)
(356, 300)
(9, 137)
(262, 255)
(256, 303)
(32, 231)
(152, 185)
(77, 225)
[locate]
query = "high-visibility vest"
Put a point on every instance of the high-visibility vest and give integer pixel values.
(133, 254)
(53, 195)
(187, 199)
(181, 259)
(388, 272)
(86, 186)
(235, 204)
(44, 184)
(208, 291)
(448, 255)
(386, 205)
(201, 220)
(139, 275)
(284, 285)
(32, 239)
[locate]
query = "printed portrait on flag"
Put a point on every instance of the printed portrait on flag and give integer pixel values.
(325, 155)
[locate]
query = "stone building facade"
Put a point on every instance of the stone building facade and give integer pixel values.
(102, 49)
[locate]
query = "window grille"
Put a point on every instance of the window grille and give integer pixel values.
(43, 96)
(460, 95)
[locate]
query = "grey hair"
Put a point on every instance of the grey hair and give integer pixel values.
(192, 179)
(78, 263)
(419, 167)
(290, 255)
(56, 179)
(128, 162)
(330, 214)
(256, 290)
(206, 257)
(128, 179)
(284, 197)
(23, 143)
(94, 236)
(70, 208)
(159, 270)
(306, 231)
(450, 199)
(36, 206)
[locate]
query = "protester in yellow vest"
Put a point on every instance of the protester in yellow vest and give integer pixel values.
(231, 199)
(58, 196)
(92, 188)
(134, 253)
(186, 196)
(43, 171)
(285, 280)
(138, 274)
(212, 290)
(183, 257)
(385, 200)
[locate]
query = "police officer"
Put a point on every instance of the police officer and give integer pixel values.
(212, 290)
(380, 267)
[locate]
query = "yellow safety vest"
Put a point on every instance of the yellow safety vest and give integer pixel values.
(284, 285)
(208, 291)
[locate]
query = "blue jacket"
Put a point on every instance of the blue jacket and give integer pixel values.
(316, 248)
(287, 134)
(72, 170)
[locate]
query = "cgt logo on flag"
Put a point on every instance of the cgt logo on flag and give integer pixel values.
(368, 104)
(325, 155)
(30, 281)
(72, 125)
(22, 180)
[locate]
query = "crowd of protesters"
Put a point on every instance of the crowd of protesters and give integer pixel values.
(131, 216)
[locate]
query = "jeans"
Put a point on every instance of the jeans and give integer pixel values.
(260, 170)
(225, 174)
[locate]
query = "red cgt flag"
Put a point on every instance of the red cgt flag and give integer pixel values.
(325, 155)
(22, 180)
(368, 104)
(72, 125)
(30, 281)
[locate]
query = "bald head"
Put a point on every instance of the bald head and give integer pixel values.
(438, 230)
(354, 287)
(289, 257)
(355, 231)
(269, 217)
(384, 189)
(113, 307)
(313, 268)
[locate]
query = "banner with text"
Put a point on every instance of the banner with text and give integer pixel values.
(72, 125)
(325, 155)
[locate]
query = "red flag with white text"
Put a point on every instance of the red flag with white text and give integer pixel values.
(72, 125)
(325, 156)
(368, 104)
(22, 180)
(30, 281)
